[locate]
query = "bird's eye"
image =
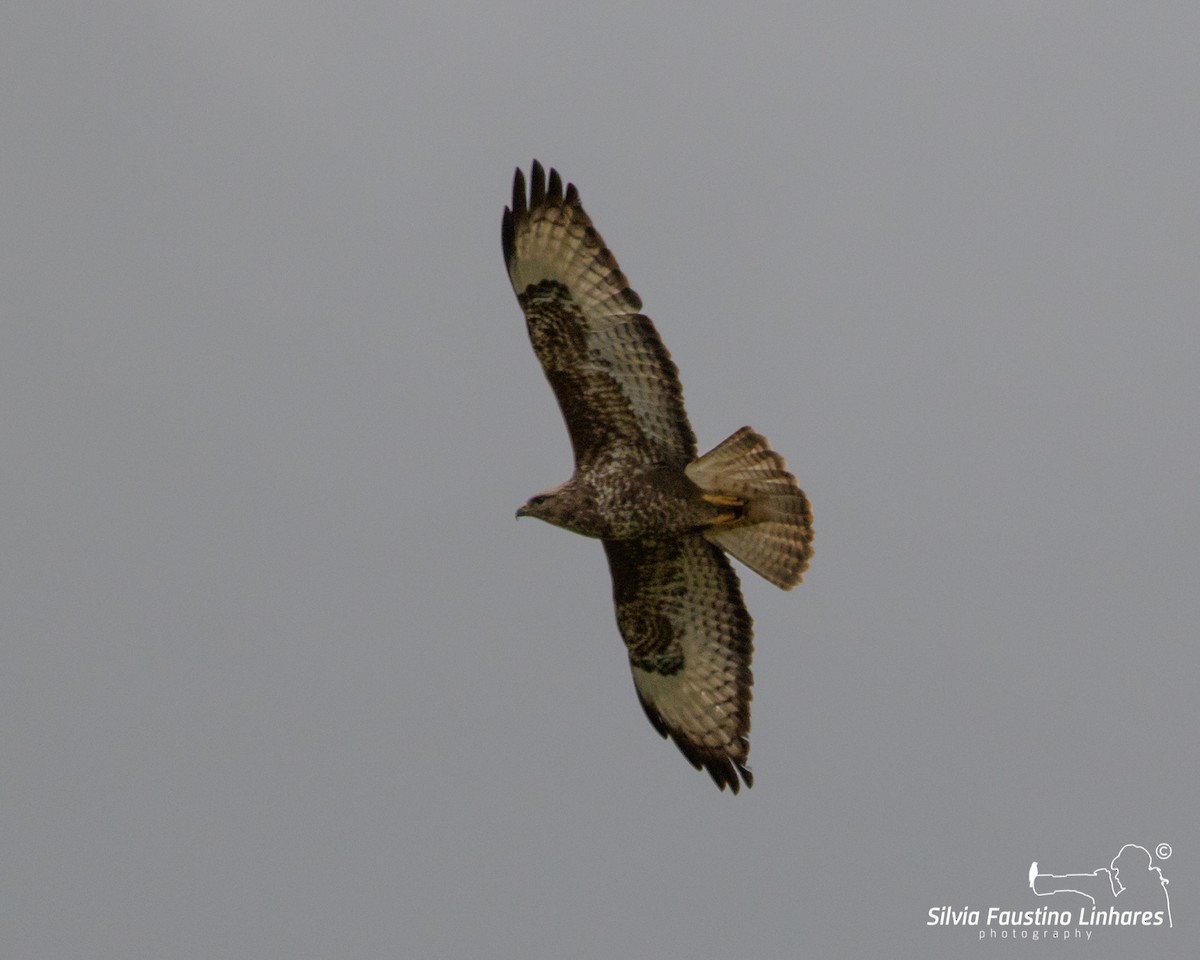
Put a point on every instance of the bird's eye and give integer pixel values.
(538, 500)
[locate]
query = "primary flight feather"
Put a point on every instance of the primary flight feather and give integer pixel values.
(666, 518)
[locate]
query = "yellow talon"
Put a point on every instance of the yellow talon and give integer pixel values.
(726, 519)
(723, 500)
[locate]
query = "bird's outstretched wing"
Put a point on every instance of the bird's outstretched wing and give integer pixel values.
(616, 384)
(690, 639)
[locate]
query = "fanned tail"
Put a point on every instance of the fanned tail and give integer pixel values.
(769, 525)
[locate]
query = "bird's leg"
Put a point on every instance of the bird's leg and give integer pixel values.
(732, 509)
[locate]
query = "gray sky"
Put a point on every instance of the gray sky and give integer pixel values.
(283, 677)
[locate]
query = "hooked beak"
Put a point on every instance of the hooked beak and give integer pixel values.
(521, 512)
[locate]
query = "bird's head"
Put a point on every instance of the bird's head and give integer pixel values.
(546, 506)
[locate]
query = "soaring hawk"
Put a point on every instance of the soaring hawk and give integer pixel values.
(666, 518)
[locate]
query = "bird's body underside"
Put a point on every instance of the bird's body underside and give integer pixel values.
(616, 500)
(665, 516)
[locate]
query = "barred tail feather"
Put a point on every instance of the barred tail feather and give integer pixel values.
(771, 530)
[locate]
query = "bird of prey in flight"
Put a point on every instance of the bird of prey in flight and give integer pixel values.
(666, 517)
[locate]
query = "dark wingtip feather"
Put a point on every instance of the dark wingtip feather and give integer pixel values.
(725, 773)
(723, 776)
(724, 770)
(545, 190)
(508, 236)
(537, 186)
(518, 207)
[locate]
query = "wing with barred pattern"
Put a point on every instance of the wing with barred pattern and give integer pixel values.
(616, 384)
(690, 640)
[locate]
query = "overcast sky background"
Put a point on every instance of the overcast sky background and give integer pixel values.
(283, 677)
